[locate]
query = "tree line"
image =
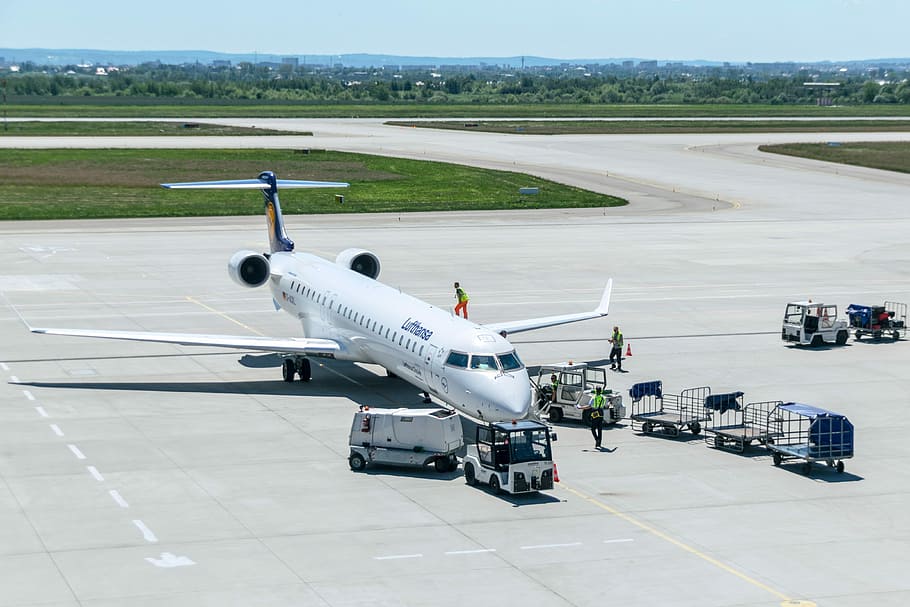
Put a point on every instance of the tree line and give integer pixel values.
(491, 86)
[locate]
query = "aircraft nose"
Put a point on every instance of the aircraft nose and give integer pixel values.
(513, 396)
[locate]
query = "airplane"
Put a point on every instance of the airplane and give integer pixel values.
(347, 314)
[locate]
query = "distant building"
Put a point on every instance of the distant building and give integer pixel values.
(293, 62)
(628, 64)
(221, 63)
(647, 65)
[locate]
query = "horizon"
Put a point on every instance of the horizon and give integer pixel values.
(715, 31)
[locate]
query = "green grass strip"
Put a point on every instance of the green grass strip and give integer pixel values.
(71, 184)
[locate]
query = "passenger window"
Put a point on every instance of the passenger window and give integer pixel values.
(482, 362)
(421, 351)
(457, 359)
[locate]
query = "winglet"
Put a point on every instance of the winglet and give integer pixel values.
(604, 308)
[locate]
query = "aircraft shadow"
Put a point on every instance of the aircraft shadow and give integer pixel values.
(369, 389)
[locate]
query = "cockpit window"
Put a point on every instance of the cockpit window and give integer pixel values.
(510, 361)
(457, 359)
(484, 362)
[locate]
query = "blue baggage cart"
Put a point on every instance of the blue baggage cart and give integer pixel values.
(810, 434)
(736, 426)
(653, 410)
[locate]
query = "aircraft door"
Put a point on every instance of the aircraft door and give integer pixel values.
(435, 376)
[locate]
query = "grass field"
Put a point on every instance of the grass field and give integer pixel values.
(71, 184)
(126, 129)
(129, 107)
(891, 156)
(596, 127)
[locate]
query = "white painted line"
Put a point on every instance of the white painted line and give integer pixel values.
(550, 546)
(169, 560)
(28, 394)
(397, 556)
(118, 498)
(146, 532)
(56, 429)
(41, 412)
(95, 474)
(472, 551)
(618, 541)
(4, 366)
(76, 451)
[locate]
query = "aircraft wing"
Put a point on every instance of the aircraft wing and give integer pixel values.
(517, 326)
(302, 345)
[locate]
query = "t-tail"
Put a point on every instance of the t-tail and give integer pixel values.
(268, 184)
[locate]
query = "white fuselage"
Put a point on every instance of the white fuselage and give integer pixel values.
(375, 323)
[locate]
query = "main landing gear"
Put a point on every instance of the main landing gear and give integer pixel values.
(296, 365)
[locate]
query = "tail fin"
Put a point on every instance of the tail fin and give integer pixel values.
(268, 184)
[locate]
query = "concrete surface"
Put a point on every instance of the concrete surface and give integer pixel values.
(143, 474)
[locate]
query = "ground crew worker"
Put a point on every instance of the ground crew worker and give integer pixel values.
(616, 351)
(554, 384)
(462, 298)
(597, 404)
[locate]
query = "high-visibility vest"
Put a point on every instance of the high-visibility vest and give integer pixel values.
(460, 294)
(598, 402)
(617, 339)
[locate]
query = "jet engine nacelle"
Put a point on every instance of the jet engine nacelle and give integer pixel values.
(360, 261)
(249, 268)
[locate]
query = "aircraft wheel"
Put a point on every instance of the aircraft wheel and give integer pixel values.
(494, 484)
(287, 370)
(469, 477)
(357, 462)
(304, 369)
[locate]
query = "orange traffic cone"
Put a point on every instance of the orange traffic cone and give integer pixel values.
(555, 473)
(628, 349)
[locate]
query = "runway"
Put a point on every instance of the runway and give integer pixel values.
(142, 474)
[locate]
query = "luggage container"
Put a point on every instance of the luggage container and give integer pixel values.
(734, 426)
(405, 437)
(652, 410)
(876, 321)
(810, 434)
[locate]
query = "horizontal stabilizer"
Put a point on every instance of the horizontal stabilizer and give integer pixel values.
(252, 184)
(517, 326)
(303, 345)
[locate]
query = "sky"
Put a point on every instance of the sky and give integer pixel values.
(717, 30)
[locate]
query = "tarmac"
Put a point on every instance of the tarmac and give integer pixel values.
(146, 474)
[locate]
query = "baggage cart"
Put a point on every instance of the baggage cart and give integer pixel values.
(734, 426)
(810, 434)
(876, 321)
(652, 410)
